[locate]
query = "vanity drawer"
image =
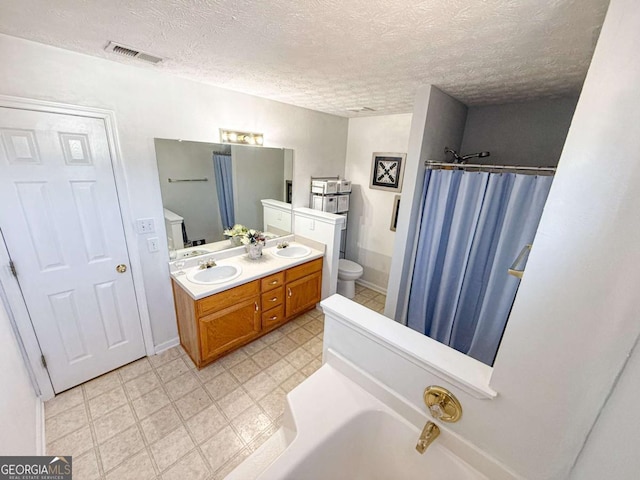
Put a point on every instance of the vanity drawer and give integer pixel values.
(273, 317)
(227, 298)
(304, 270)
(272, 298)
(272, 281)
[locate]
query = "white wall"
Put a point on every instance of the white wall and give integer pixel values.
(575, 318)
(611, 450)
(19, 404)
(369, 238)
(325, 228)
(438, 121)
(149, 104)
(530, 133)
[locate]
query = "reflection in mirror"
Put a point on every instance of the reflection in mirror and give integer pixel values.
(208, 187)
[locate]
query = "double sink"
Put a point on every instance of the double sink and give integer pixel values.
(225, 273)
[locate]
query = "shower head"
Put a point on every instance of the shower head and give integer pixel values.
(461, 159)
(456, 158)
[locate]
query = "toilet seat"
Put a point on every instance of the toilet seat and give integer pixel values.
(347, 266)
(348, 273)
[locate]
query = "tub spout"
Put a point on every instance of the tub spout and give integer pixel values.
(429, 433)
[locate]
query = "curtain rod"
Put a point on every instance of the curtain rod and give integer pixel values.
(446, 165)
(176, 180)
(337, 177)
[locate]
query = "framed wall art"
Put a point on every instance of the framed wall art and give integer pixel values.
(387, 170)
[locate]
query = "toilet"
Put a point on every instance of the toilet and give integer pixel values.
(348, 273)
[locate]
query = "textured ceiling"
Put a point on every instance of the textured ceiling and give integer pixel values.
(332, 55)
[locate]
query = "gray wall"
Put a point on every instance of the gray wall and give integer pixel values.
(196, 202)
(258, 173)
(531, 133)
(438, 121)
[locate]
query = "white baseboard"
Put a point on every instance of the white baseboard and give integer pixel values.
(161, 347)
(41, 442)
(372, 286)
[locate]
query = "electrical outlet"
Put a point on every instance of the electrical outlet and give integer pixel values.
(145, 225)
(153, 244)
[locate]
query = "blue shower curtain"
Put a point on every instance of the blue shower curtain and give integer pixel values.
(224, 186)
(473, 225)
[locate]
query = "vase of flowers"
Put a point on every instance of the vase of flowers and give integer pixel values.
(253, 241)
(235, 234)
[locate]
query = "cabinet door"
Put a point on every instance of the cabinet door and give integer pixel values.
(226, 329)
(302, 294)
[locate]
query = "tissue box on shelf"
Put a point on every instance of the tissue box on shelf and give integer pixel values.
(343, 203)
(326, 204)
(324, 187)
(345, 186)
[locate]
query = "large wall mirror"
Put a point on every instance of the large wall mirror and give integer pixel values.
(208, 187)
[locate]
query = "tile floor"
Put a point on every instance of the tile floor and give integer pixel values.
(370, 299)
(160, 417)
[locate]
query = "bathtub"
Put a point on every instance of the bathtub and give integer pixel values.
(335, 429)
(376, 445)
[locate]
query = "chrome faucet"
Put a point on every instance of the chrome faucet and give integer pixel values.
(429, 433)
(207, 263)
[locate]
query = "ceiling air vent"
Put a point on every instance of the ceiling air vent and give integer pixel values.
(360, 109)
(132, 53)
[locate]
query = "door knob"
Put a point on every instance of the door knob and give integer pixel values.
(121, 268)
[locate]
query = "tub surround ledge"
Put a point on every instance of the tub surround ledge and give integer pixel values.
(454, 367)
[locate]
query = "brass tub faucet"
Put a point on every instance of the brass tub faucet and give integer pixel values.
(429, 433)
(444, 406)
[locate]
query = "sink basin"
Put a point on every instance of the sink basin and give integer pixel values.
(292, 251)
(212, 275)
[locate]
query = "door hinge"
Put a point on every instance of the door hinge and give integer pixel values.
(12, 267)
(44, 361)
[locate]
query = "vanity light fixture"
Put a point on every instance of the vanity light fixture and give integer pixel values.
(242, 138)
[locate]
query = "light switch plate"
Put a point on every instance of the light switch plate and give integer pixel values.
(153, 244)
(145, 225)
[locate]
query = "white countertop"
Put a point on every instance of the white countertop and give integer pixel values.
(251, 270)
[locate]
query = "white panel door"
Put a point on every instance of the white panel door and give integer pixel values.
(61, 220)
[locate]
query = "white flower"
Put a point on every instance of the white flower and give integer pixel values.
(236, 230)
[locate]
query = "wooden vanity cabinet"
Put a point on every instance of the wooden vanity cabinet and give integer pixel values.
(218, 324)
(303, 287)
